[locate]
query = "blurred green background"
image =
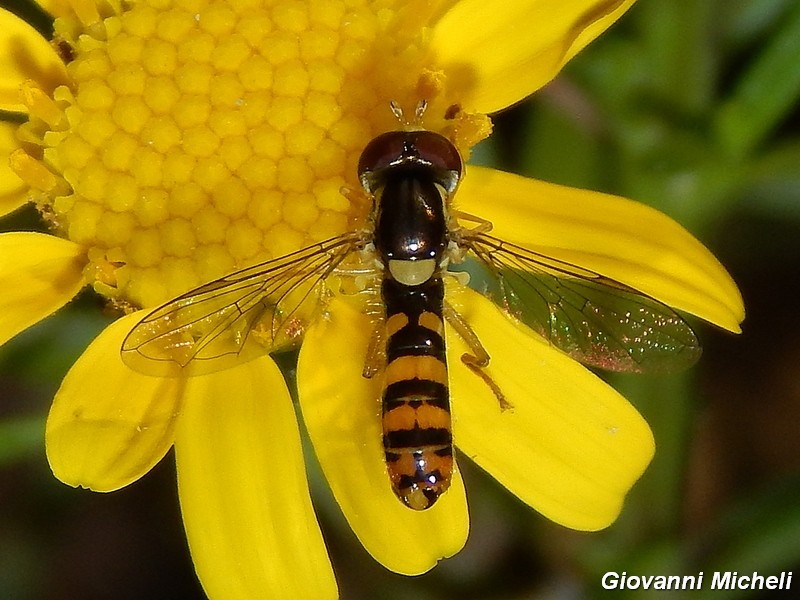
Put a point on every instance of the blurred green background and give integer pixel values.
(687, 105)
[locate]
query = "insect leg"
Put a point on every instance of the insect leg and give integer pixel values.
(375, 359)
(479, 359)
(459, 236)
(481, 225)
(359, 279)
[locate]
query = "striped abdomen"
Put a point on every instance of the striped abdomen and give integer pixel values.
(417, 438)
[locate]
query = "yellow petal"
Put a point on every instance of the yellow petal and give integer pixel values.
(621, 239)
(341, 410)
(242, 484)
(109, 425)
(495, 55)
(569, 446)
(13, 193)
(38, 275)
(25, 54)
(56, 8)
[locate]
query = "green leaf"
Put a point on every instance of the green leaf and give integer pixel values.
(764, 536)
(750, 19)
(21, 437)
(774, 182)
(765, 94)
(565, 119)
(681, 56)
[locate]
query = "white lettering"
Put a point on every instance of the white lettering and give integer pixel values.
(721, 581)
(662, 583)
(689, 582)
(610, 580)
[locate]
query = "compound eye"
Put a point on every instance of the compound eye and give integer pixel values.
(405, 151)
(438, 151)
(381, 152)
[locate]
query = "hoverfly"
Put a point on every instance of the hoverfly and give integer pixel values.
(412, 241)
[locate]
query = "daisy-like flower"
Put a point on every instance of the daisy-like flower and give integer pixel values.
(170, 142)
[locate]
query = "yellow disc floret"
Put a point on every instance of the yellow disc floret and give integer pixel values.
(201, 136)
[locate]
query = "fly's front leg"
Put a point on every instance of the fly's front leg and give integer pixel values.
(481, 225)
(479, 359)
(359, 281)
(457, 248)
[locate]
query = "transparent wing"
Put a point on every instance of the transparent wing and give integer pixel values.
(212, 327)
(594, 319)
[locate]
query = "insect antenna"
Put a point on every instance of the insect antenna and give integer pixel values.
(419, 112)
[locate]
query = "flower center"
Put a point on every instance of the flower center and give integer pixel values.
(201, 136)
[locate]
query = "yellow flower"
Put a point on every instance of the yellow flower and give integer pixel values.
(170, 142)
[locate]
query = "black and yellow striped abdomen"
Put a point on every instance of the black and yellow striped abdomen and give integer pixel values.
(417, 437)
